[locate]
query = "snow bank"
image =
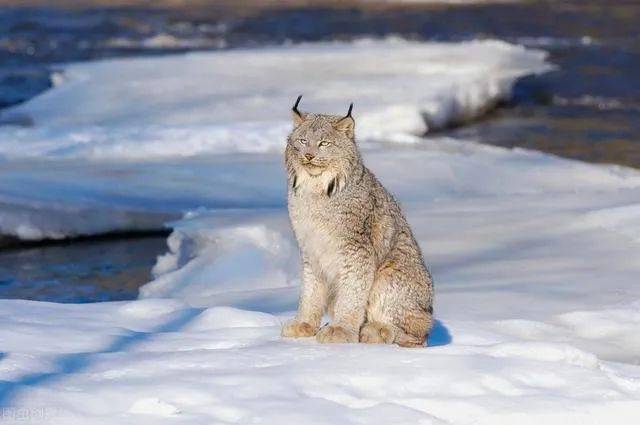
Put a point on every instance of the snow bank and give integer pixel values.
(535, 306)
(102, 364)
(508, 198)
(239, 100)
(625, 220)
(57, 199)
(202, 265)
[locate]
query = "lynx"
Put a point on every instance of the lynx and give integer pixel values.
(360, 261)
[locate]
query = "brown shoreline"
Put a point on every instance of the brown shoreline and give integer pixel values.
(246, 5)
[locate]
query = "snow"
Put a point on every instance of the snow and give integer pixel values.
(534, 257)
(164, 41)
(510, 229)
(61, 198)
(130, 144)
(246, 374)
(239, 100)
(625, 220)
(537, 310)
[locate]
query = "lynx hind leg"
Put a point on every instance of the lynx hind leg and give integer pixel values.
(415, 329)
(377, 333)
(397, 308)
(382, 333)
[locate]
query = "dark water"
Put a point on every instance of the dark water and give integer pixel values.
(589, 108)
(107, 269)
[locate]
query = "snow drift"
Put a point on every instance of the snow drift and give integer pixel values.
(239, 100)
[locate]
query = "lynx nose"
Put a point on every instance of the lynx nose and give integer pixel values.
(309, 156)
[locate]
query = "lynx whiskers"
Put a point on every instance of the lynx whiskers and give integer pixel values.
(360, 261)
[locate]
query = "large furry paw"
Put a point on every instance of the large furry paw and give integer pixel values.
(298, 329)
(409, 341)
(377, 333)
(336, 334)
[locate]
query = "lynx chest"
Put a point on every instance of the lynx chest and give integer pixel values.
(320, 234)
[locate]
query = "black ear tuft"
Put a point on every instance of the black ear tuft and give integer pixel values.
(349, 111)
(298, 118)
(346, 124)
(295, 107)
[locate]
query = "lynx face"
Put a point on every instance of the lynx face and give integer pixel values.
(321, 152)
(321, 143)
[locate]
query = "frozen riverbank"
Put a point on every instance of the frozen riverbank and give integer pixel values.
(101, 154)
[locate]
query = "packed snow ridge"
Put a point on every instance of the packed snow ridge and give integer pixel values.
(238, 100)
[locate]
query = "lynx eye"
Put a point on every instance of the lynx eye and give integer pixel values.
(324, 143)
(302, 141)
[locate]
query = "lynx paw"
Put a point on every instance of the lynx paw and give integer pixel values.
(377, 333)
(336, 334)
(297, 329)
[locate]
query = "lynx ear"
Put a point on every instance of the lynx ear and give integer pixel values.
(347, 124)
(298, 117)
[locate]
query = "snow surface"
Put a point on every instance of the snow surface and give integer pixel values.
(535, 258)
(517, 237)
(537, 311)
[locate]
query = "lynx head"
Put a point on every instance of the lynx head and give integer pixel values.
(321, 151)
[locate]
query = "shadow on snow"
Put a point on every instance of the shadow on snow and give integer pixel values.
(439, 335)
(77, 362)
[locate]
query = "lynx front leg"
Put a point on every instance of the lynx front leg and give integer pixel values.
(313, 299)
(350, 301)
